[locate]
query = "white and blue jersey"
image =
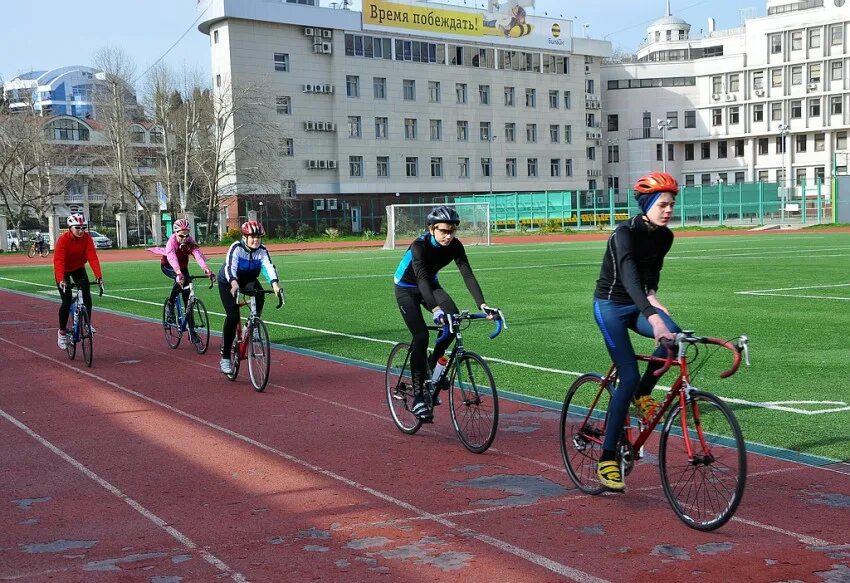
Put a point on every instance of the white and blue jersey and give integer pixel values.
(243, 265)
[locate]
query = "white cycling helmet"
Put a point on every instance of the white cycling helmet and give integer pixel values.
(77, 220)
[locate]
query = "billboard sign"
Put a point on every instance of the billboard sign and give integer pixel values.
(504, 23)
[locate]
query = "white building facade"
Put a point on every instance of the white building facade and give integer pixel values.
(769, 101)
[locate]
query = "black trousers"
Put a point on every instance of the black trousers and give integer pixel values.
(81, 278)
(228, 302)
(176, 288)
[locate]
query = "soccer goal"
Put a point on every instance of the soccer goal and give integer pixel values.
(405, 222)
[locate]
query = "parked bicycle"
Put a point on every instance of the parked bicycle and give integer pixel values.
(701, 451)
(191, 318)
(473, 401)
(252, 342)
(81, 330)
(39, 247)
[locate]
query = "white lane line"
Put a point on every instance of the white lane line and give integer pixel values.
(805, 539)
(115, 491)
(531, 557)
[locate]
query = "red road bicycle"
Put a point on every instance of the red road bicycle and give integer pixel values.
(252, 342)
(701, 452)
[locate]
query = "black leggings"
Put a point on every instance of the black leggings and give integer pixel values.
(409, 302)
(228, 334)
(81, 278)
(176, 288)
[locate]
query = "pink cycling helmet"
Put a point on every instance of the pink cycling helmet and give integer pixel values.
(181, 225)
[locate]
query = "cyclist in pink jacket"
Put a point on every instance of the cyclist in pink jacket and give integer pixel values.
(175, 259)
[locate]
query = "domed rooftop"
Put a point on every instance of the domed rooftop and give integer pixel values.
(669, 20)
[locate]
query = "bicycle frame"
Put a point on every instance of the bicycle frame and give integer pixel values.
(453, 324)
(250, 301)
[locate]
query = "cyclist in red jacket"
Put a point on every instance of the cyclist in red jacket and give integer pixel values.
(73, 250)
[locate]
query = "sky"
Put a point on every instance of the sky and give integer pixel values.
(48, 34)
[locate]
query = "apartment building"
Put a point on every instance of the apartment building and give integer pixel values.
(768, 101)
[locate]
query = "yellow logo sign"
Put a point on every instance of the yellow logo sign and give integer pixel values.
(556, 30)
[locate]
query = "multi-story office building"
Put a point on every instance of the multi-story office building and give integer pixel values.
(408, 100)
(769, 101)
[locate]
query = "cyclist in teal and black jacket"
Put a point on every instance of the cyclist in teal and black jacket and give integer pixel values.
(416, 285)
(625, 299)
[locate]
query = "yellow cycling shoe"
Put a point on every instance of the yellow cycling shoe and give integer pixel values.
(610, 476)
(646, 406)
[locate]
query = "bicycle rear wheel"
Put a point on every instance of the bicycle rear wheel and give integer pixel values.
(705, 488)
(31, 252)
(45, 251)
(474, 403)
(582, 430)
(86, 336)
(399, 385)
(259, 355)
(199, 325)
(170, 326)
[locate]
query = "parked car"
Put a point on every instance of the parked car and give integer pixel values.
(101, 241)
(12, 241)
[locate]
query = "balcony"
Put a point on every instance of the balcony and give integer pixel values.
(93, 198)
(644, 133)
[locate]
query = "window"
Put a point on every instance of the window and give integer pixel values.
(510, 167)
(841, 141)
(776, 111)
(721, 149)
(354, 129)
(758, 112)
(568, 134)
(820, 142)
(409, 89)
(800, 176)
(218, 80)
(734, 86)
(739, 177)
(532, 167)
(484, 131)
(381, 124)
(287, 188)
(436, 130)
(510, 132)
(613, 122)
(734, 115)
(758, 80)
(800, 143)
(814, 38)
(462, 131)
(673, 118)
(283, 105)
(705, 179)
(762, 146)
(658, 153)
(819, 174)
(705, 150)
(836, 34)
(722, 177)
(613, 154)
(157, 136)
(383, 166)
(409, 128)
(739, 148)
(379, 86)
(436, 167)
(555, 167)
(797, 75)
(355, 166)
(717, 84)
(463, 167)
(775, 44)
(796, 40)
(780, 145)
(814, 73)
(137, 135)
(434, 91)
(691, 119)
(796, 109)
(836, 105)
(568, 167)
(836, 70)
(484, 94)
(776, 77)
(352, 86)
(689, 151)
(814, 107)
(568, 102)
(553, 99)
(531, 133)
(286, 147)
(531, 98)
(763, 176)
(716, 116)
(281, 62)
(554, 133)
(689, 179)
(460, 91)
(485, 167)
(215, 37)
(591, 153)
(509, 96)
(411, 166)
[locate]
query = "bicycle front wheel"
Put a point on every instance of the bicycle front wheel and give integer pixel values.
(259, 355)
(86, 336)
(474, 403)
(582, 430)
(199, 326)
(31, 252)
(170, 326)
(71, 340)
(703, 487)
(45, 251)
(399, 385)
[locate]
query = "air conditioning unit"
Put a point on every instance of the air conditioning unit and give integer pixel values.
(760, 92)
(731, 97)
(308, 88)
(317, 49)
(715, 96)
(323, 163)
(309, 126)
(312, 164)
(327, 48)
(331, 163)
(331, 126)
(329, 88)
(327, 33)
(812, 86)
(309, 31)
(320, 126)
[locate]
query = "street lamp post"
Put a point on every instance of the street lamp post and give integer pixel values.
(260, 212)
(783, 128)
(663, 127)
(490, 141)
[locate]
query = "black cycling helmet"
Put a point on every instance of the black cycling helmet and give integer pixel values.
(443, 214)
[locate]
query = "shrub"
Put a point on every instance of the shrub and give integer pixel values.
(232, 235)
(368, 235)
(332, 233)
(303, 231)
(552, 226)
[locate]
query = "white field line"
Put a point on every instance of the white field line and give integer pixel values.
(519, 552)
(775, 292)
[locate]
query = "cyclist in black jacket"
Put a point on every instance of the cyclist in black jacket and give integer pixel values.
(416, 285)
(625, 298)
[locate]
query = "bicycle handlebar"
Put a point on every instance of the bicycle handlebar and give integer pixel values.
(194, 277)
(70, 285)
(454, 320)
(255, 292)
(742, 346)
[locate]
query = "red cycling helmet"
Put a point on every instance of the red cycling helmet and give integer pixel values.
(252, 228)
(655, 182)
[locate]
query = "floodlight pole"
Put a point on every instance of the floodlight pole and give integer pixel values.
(784, 128)
(663, 126)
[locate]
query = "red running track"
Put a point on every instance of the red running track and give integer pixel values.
(151, 466)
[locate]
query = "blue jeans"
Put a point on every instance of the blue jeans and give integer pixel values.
(615, 320)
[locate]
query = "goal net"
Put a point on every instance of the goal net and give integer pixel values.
(405, 222)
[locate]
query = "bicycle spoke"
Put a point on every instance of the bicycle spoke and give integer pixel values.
(399, 389)
(474, 403)
(582, 431)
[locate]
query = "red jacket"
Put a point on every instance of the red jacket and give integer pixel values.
(72, 253)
